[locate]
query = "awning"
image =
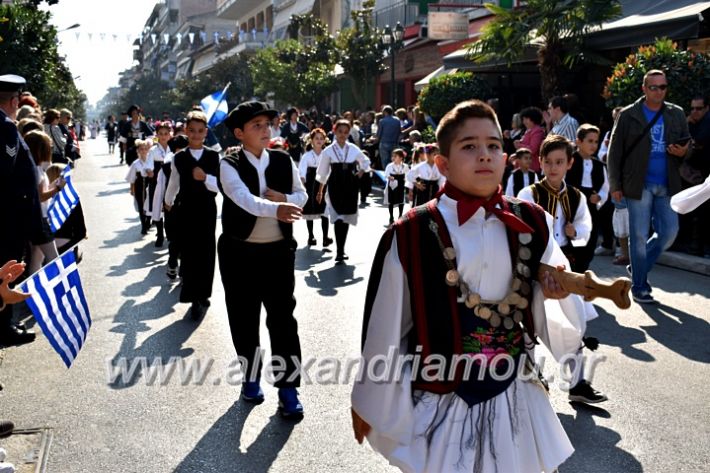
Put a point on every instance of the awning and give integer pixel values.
(204, 61)
(288, 8)
(642, 22)
(420, 84)
(458, 60)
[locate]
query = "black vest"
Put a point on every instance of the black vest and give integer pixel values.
(519, 182)
(575, 174)
(544, 199)
(435, 311)
(237, 222)
(194, 194)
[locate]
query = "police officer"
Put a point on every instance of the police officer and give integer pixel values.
(20, 213)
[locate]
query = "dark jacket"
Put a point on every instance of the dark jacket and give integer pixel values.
(630, 124)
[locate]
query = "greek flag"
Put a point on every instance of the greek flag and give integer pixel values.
(59, 306)
(215, 107)
(63, 203)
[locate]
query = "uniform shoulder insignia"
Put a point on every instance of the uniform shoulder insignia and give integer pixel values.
(11, 150)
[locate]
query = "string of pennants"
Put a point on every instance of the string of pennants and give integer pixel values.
(165, 38)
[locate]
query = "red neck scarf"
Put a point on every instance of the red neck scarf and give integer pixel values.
(467, 205)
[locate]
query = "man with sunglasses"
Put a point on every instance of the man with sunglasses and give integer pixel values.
(648, 144)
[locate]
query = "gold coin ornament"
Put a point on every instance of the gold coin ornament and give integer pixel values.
(508, 323)
(452, 277)
(516, 284)
(518, 316)
(524, 253)
(522, 303)
(525, 288)
(449, 254)
(473, 299)
(525, 238)
(477, 311)
(504, 309)
(485, 313)
(494, 321)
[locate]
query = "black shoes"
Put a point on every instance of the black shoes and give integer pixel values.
(327, 242)
(340, 259)
(584, 392)
(312, 241)
(159, 241)
(14, 335)
(198, 309)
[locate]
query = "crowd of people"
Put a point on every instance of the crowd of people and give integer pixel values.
(465, 196)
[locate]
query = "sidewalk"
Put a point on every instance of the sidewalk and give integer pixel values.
(684, 261)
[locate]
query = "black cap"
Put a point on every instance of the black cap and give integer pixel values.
(12, 83)
(245, 111)
(178, 142)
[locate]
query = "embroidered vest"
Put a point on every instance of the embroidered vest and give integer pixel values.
(237, 222)
(549, 202)
(437, 315)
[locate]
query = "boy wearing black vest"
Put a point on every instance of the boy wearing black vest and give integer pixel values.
(523, 176)
(453, 280)
(572, 226)
(588, 174)
(566, 204)
(193, 183)
(263, 196)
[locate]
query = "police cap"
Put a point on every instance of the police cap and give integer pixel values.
(12, 83)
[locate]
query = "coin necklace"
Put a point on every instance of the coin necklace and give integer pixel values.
(508, 311)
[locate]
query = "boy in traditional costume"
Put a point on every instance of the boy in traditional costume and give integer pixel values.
(451, 282)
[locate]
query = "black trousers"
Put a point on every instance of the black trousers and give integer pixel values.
(197, 250)
(254, 274)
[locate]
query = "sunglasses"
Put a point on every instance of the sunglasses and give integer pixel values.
(697, 109)
(656, 88)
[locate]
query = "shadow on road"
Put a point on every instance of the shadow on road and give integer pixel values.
(108, 193)
(595, 446)
(310, 256)
(327, 281)
(165, 345)
(610, 332)
(127, 235)
(221, 450)
(679, 331)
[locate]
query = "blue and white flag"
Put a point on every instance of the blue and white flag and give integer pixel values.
(63, 203)
(215, 107)
(59, 306)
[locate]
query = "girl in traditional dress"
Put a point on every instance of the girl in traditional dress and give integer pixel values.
(395, 173)
(139, 176)
(338, 168)
(307, 169)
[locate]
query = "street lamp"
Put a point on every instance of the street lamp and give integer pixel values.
(392, 40)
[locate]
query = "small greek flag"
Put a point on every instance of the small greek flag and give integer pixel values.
(63, 203)
(59, 306)
(215, 107)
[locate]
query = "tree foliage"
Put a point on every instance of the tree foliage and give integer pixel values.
(362, 51)
(444, 92)
(556, 28)
(28, 47)
(298, 72)
(688, 74)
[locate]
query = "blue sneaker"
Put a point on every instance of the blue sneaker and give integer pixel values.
(644, 298)
(252, 393)
(289, 405)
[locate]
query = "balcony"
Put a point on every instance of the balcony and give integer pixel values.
(236, 9)
(404, 12)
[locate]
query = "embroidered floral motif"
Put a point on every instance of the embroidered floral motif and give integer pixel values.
(492, 342)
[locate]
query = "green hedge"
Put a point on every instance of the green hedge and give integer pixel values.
(444, 92)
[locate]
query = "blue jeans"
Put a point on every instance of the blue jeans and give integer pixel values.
(654, 208)
(386, 153)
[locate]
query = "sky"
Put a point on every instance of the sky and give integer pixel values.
(96, 62)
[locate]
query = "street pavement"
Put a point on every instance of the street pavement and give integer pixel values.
(656, 370)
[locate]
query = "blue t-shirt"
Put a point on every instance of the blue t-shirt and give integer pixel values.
(657, 172)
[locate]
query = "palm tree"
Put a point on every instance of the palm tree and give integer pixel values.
(556, 28)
